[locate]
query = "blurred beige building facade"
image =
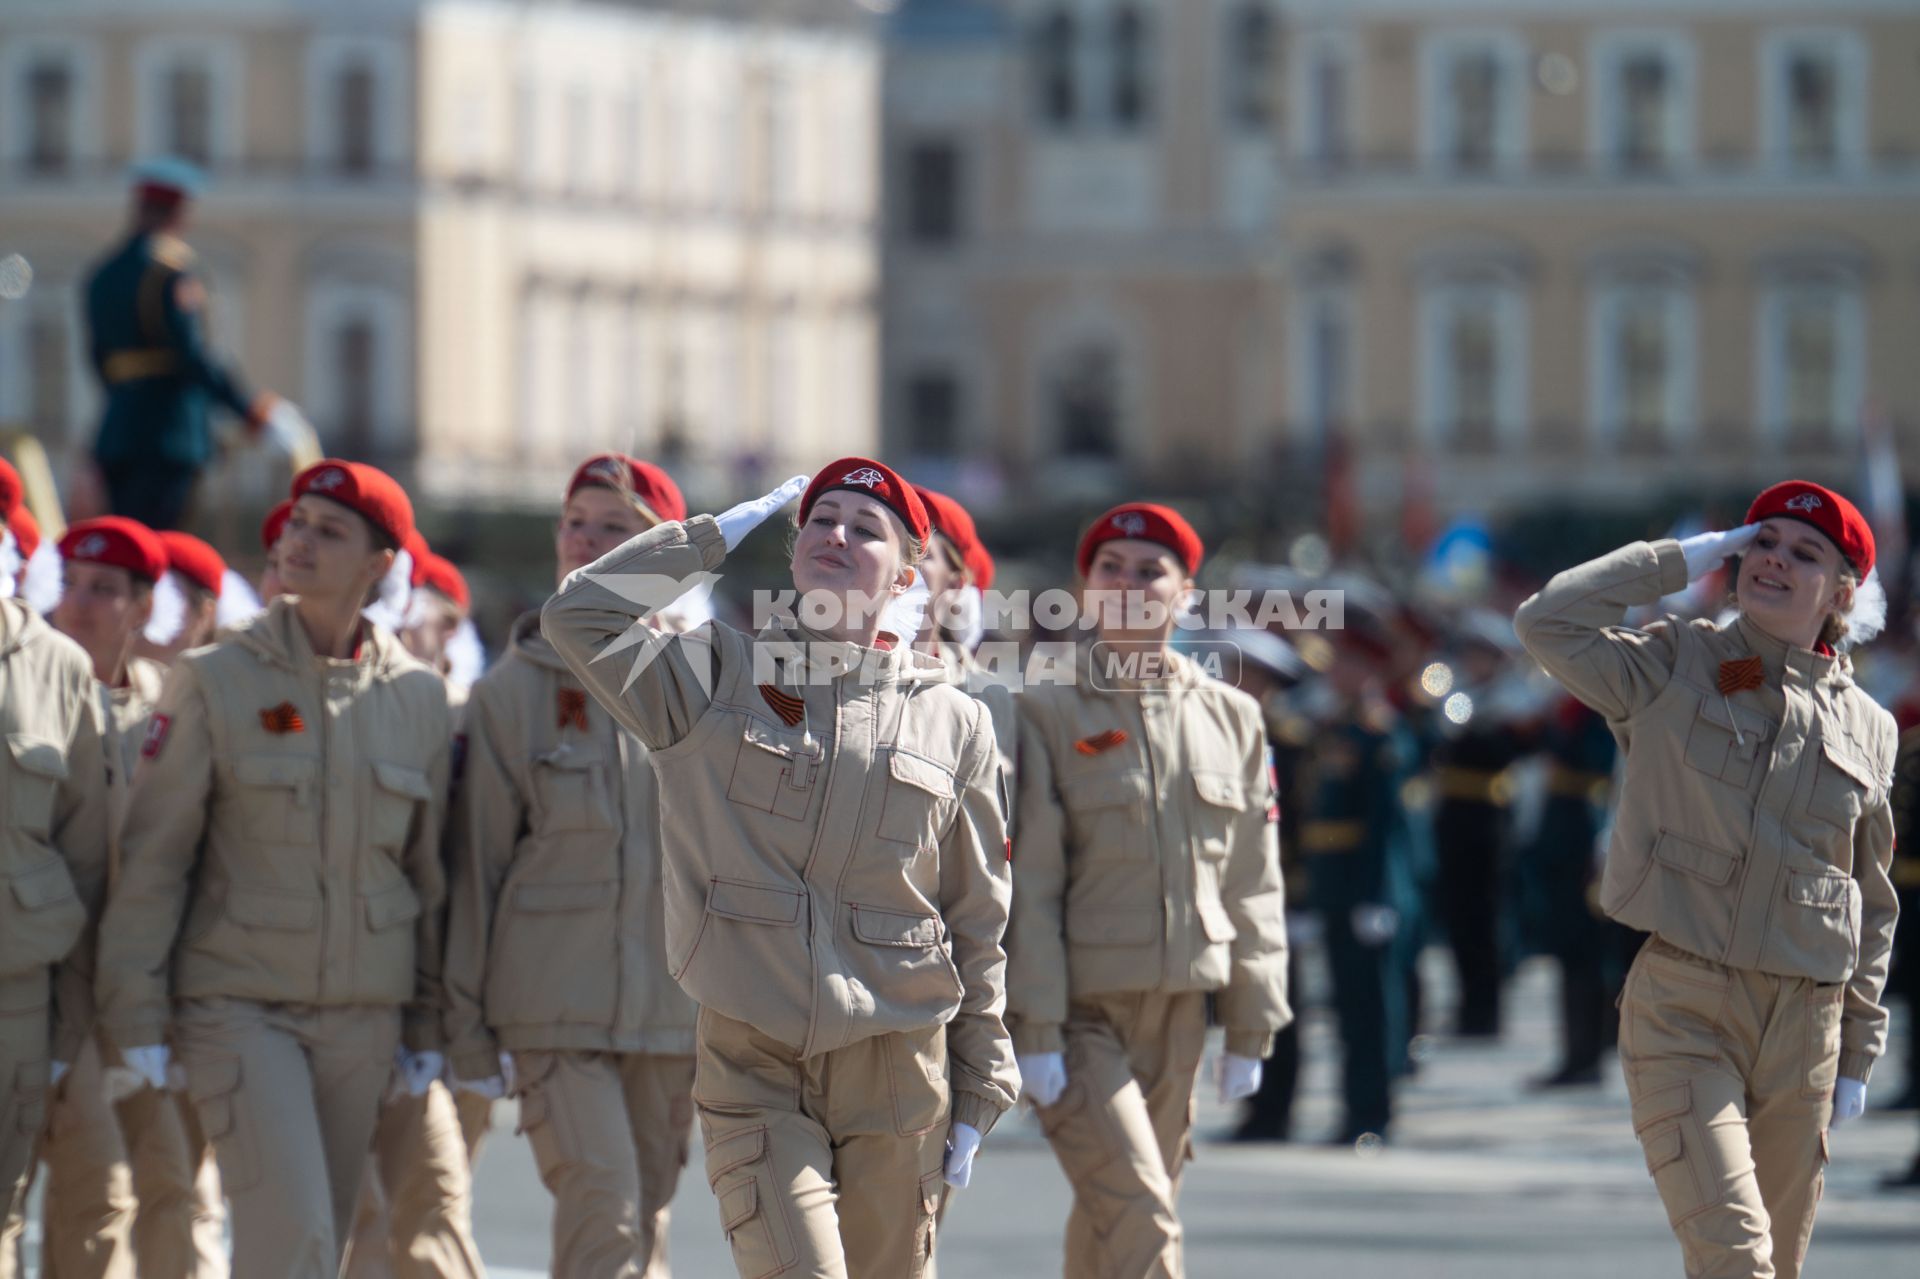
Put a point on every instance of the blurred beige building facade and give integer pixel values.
(473, 239)
(1515, 247)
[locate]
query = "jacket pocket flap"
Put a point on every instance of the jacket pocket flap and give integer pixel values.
(1841, 757)
(392, 906)
(1662, 1148)
(736, 1151)
(47, 884)
(569, 757)
(1829, 892)
(894, 928)
(1104, 790)
(1694, 858)
(1220, 789)
(402, 780)
(923, 773)
(768, 738)
(1662, 1104)
(738, 1206)
(37, 756)
(1215, 922)
(274, 770)
(283, 909)
(756, 903)
(213, 1077)
(1718, 711)
(1113, 927)
(554, 897)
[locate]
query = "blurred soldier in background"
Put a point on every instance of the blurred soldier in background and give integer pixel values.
(1905, 977)
(146, 316)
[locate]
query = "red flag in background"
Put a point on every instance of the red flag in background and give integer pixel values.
(1343, 506)
(1419, 526)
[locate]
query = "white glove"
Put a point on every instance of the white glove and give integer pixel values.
(1239, 1077)
(736, 522)
(493, 1087)
(962, 1141)
(56, 1072)
(906, 612)
(287, 429)
(1373, 924)
(149, 1063)
(420, 1070)
(1849, 1101)
(1706, 552)
(1043, 1077)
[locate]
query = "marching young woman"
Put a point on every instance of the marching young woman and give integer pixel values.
(1752, 840)
(1146, 876)
(556, 951)
(53, 856)
(836, 875)
(278, 903)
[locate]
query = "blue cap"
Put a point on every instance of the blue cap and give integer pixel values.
(170, 173)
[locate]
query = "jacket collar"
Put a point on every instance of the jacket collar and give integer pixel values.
(526, 640)
(18, 626)
(277, 637)
(1778, 657)
(816, 657)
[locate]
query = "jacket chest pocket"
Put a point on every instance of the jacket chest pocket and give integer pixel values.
(276, 800)
(919, 802)
(773, 772)
(398, 792)
(1727, 745)
(1223, 797)
(1108, 813)
(38, 769)
(1841, 785)
(570, 791)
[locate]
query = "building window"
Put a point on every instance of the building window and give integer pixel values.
(1084, 401)
(1328, 372)
(933, 414)
(1642, 363)
(1250, 48)
(1327, 112)
(1132, 103)
(187, 111)
(355, 95)
(1813, 110)
(1473, 365)
(1475, 112)
(352, 371)
(1646, 90)
(1642, 103)
(579, 143)
(1054, 82)
(1812, 364)
(1473, 87)
(50, 116)
(933, 193)
(1815, 114)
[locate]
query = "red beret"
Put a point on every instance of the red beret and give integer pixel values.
(275, 524)
(883, 483)
(1825, 510)
(117, 542)
(643, 483)
(1148, 523)
(417, 550)
(194, 560)
(951, 521)
(443, 577)
(25, 530)
(367, 491)
(980, 566)
(10, 488)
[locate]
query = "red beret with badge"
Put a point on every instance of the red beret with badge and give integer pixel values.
(25, 530)
(275, 524)
(951, 521)
(642, 483)
(1146, 522)
(116, 542)
(442, 577)
(878, 481)
(367, 491)
(194, 560)
(1823, 509)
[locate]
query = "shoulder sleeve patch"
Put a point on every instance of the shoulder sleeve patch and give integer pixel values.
(156, 739)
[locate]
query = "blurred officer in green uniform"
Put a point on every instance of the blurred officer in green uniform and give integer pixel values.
(146, 321)
(1358, 850)
(1905, 976)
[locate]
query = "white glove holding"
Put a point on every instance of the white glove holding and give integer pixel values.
(1239, 1077)
(736, 522)
(1374, 925)
(420, 1070)
(149, 1063)
(493, 1087)
(1706, 552)
(1043, 1077)
(56, 1072)
(1849, 1101)
(962, 1141)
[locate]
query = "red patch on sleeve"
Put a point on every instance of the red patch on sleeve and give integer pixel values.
(1009, 850)
(1273, 790)
(156, 735)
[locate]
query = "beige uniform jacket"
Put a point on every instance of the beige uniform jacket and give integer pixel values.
(829, 878)
(556, 932)
(283, 841)
(977, 682)
(1146, 859)
(53, 812)
(124, 712)
(1754, 827)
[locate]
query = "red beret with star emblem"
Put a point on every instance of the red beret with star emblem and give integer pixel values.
(877, 480)
(1825, 510)
(194, 560)
(642, 483)
(951, 521)
(1147, 522)
(365, 490)
(117, 542)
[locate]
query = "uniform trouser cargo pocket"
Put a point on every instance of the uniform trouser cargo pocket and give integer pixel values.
(1662, 1120)
(752, 1213)
(213, 1085)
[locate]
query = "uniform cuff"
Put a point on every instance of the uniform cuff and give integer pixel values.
(1037, 1037)
(1673, 566)
(703, 534)
(420, 1032)
(975, 1111)
(1856, 1065)
(141, 1032)
(1257, 1044)
(474, 1064)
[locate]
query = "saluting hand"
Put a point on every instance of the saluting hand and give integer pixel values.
(738, 521)
(1708, 551)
